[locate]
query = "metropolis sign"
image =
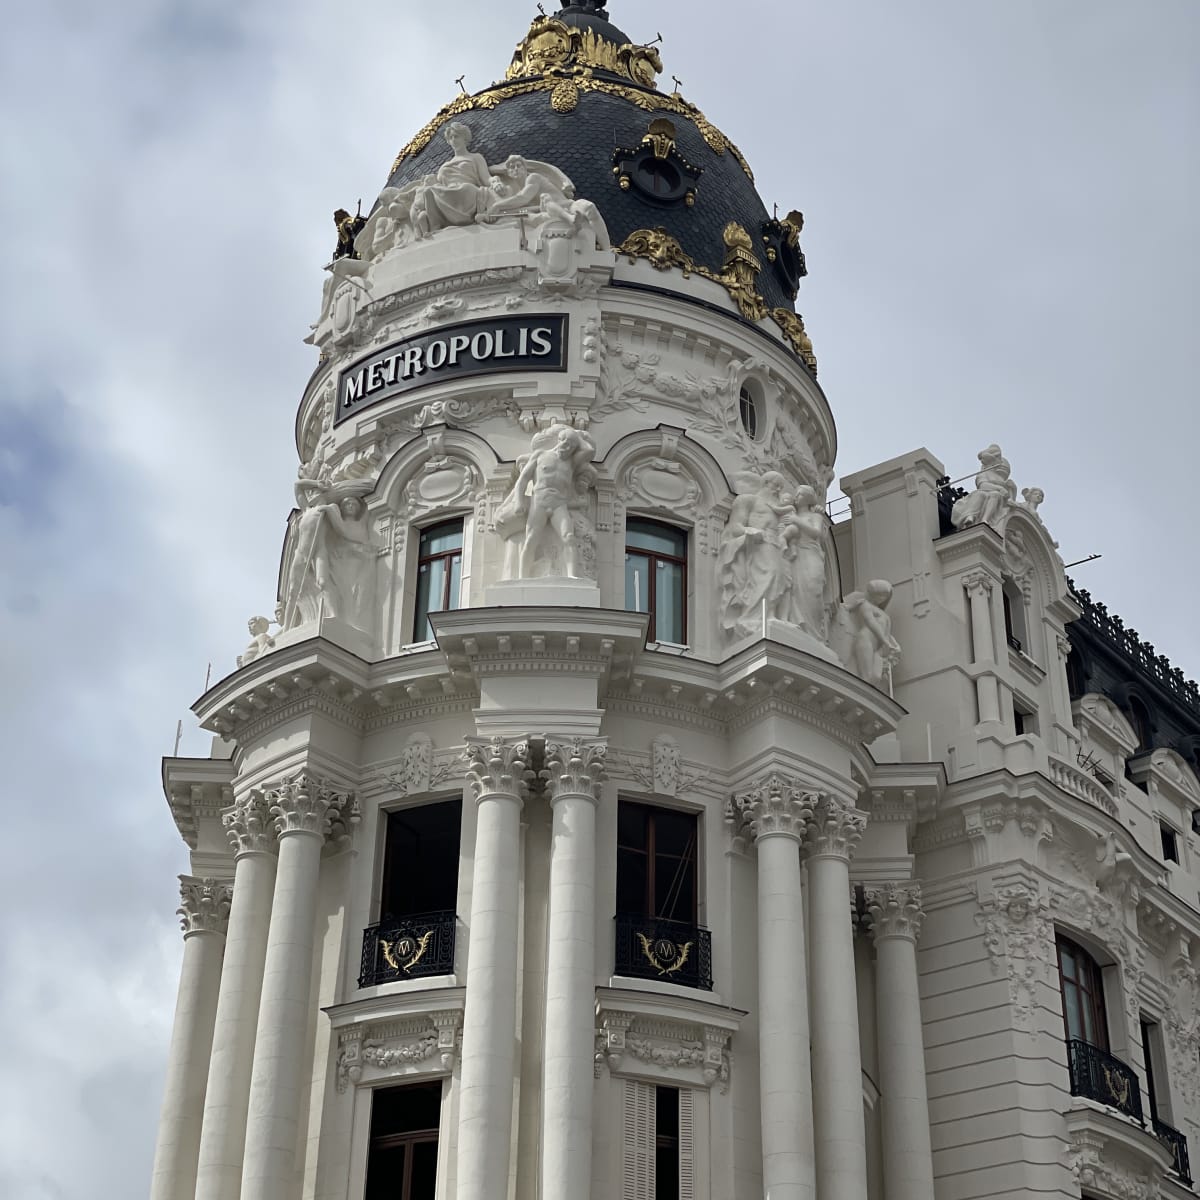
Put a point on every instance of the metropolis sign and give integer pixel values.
(525, 343)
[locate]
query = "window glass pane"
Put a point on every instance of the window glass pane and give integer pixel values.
(650, 535)
(631, 883)
(1068, 962)
(385, 1172)
(1071, 1008)
(452, 600)
(637, 583)
(1089, 1021)
(431, 585)
(631, 825)
(674, 889)
(437, 539)
(668, 603)
(674, 832)
(420, 866)
(424, 1171)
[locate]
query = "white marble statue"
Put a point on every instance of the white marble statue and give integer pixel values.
(544, 195)
(863, 634)
(1031, 499)
(756, 578)
(539, 518)
(388, 226)
(329, 568)
(459, 191)
(806, 537)
(995, 494)
(260, 641)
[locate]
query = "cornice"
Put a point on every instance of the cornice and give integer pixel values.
(395, 1006)
(196, 789)
(978, 540)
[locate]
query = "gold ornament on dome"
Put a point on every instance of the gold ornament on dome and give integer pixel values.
(660, 249)
(565, 86)
(661, 137)
(553, 45)
(792, 325)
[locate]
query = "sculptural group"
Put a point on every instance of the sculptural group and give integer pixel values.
(466, 191)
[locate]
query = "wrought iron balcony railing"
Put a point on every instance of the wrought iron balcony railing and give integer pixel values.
(1098, 1075)
(674, 952)
(1176, 1142)
(408, 948)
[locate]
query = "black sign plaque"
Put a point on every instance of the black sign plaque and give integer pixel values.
(524, 343)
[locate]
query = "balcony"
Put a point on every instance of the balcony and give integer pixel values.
(408, 948)
(1176, 1143)
(669, 951)
(1098, 1075)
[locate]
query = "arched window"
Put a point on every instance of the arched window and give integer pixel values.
(1015, 630)
(1076, 676)
(439, 574)
(656, 577)
(1139, 718)
(749, 410)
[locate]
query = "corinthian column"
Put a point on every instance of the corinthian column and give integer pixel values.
(837, 1056)
(204, 912)
(896, 920)
(251, 830)
(496, 771)
(574, 771)
(303, 809)
(776, 813)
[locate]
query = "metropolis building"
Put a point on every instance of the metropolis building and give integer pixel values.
(598, 819)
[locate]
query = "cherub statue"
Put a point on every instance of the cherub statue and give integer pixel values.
(260, 641)
(864, 634)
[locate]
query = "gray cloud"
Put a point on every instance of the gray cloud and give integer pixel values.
(1001, 233)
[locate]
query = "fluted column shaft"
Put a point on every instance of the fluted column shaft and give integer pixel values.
(776, 813)
(302, 808)
(907, 1151)
(495, 772)
(251, 830)
(204, 912)
(574, 771)
(837, 1056)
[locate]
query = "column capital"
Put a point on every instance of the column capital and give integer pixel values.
(837, 828)
(249, 826)
(776, 806)
(978, 583)
(575, 767)
(204, 905)
(895, 910)
(303, 803)
(497, 766)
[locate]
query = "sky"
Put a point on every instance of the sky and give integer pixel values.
(1001, 234)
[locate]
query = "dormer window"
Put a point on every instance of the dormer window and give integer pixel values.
(1139, 718)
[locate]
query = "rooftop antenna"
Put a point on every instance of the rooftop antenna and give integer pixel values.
(678, 83)
(775, 206)
(541, 10)
(459, 81)
(1080, 561)
(657, 40)
(207, 676)
(178, 736)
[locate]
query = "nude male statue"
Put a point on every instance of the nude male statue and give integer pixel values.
(550, 477)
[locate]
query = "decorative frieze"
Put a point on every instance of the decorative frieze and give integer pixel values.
(421, 770)
(895, 910)
(399, 1046)
(673, 1050)
(204, 905)
(1019, 939)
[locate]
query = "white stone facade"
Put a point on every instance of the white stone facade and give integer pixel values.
(883, 859)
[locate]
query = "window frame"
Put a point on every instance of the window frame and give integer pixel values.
(1092, 974)
(409, 1139)
(653, 557)
(650, 857)
(420, 621)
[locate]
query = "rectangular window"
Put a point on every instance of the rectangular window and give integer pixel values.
(404, 1142)
(1083, 995)
(1170, 842)
(1150, 1055)
(439, 574)
(666, 1143)
(656, 862)
(420, 860)
(656, 577)
(659, 1137)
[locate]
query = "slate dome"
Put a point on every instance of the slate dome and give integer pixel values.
(577, 95)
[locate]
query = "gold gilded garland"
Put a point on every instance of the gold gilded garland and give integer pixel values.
(565, 88)
(737, 277)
